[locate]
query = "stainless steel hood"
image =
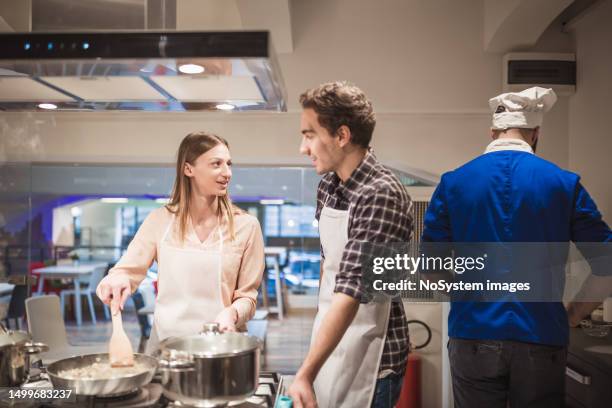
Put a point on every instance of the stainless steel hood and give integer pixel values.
(140, 71)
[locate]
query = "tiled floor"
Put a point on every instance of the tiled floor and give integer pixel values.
(89, 333)
(288, 340)
(286, 345)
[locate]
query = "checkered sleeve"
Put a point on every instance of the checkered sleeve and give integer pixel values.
(379, 216)
(320, 197)
(321, 193)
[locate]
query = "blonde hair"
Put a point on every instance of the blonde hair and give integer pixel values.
(193, 146)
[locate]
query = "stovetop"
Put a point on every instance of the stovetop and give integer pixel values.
(148, 396)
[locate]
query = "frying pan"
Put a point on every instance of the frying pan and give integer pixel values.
(101, 387)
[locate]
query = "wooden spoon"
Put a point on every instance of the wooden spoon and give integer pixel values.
(120, 349)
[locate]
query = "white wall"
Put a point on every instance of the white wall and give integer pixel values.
(99, 220)
(590, 125)
(63, 229)
(431, 356)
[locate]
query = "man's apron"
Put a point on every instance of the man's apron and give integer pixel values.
(348, 377)
(189, 289)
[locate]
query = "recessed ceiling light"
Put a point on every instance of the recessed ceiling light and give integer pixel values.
(271, 201)
(114, 200)
(225, 106)
(47, 106)
(191, 69)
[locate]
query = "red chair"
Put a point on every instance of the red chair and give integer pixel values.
(47, 286)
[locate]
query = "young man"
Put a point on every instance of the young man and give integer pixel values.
(358, 350)
(512, 353)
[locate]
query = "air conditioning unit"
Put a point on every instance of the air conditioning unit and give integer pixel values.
(524, 70)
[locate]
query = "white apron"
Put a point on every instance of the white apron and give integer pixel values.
(348, 377)
(189, 289)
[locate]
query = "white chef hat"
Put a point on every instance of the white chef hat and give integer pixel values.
(523, 109)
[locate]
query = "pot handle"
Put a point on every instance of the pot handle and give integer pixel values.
(210, 328)
(176, 362)
(175, 366)
(34, 348)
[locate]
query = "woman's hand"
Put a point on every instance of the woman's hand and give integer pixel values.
(227, 319)
(114, 290)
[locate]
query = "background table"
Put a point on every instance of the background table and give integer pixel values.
(75, 272)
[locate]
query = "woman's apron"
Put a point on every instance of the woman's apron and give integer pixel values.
(348, 377)
(189, 289)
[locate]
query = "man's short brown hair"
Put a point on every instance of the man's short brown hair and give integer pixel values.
(342, 103)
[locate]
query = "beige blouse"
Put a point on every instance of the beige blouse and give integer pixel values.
(242, 262)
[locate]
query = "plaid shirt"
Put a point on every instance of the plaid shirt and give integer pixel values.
(380, 210)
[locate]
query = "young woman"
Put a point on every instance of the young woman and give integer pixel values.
(209, 253)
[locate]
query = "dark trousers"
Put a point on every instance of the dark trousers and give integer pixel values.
(498, 374)
(387, 391)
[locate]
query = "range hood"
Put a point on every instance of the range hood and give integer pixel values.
(140, 71)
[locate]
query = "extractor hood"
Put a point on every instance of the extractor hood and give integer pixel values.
(140, 71)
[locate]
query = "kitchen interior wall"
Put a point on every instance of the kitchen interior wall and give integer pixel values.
(590, 110)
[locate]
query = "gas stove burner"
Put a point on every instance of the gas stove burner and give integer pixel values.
(148, 396)
(144, 397)
(120, 396)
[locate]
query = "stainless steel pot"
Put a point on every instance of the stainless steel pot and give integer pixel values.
(211, 368)
(15, 350)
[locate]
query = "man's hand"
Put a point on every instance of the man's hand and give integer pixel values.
(227, 319)
(302, 393)
(576, 311)
(573, 318)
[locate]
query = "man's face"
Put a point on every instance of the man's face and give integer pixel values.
(318, 144)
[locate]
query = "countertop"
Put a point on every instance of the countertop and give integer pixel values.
(593, 350)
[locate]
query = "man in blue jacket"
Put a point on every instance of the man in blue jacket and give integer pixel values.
(512, 352)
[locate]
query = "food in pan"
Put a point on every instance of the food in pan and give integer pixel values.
(102, 370)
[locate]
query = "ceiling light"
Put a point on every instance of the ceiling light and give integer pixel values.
(191, 69)
(114, 200)
(225, 106)
(272, 202)
(47, 106)
(76, 211)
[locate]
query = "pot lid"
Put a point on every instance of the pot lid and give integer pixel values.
(211, 343)
(11, 338)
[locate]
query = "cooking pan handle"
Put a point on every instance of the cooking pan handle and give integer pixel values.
(34, 348)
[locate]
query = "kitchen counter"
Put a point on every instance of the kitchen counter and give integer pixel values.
(588, 371)
(593, 350)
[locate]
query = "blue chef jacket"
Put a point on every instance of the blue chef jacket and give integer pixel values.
(512, 196)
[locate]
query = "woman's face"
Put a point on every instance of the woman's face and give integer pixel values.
(211, 172)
